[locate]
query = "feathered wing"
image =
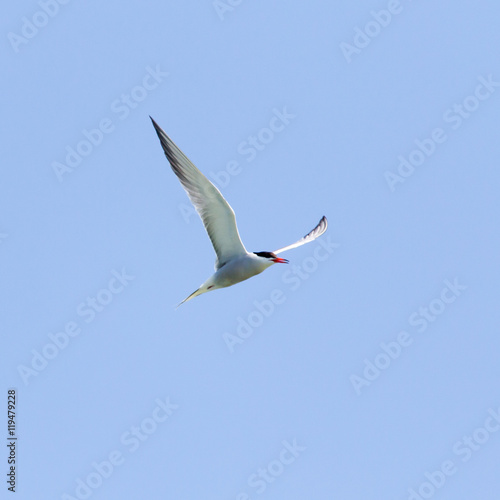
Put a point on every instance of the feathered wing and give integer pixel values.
(215, 212)
(312, 235)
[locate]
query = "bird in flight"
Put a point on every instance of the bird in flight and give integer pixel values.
(233, 263)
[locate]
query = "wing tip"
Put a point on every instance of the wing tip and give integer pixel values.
(156, 126)
(194, 294)
(320, 228)
(166, 143)
(323, 221)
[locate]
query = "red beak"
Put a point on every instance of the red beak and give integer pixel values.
(279, 260)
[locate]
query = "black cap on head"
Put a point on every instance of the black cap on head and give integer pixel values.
(268, 255)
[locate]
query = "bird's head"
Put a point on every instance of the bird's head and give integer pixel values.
(271, 257)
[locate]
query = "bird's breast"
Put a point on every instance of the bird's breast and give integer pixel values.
(239, 270)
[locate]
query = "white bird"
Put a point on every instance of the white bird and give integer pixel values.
(233, 263)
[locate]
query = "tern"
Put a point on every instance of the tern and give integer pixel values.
(233, 263)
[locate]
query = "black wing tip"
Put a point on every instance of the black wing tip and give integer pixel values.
(160, 132)
(156, 126)
(323, 224)
(164, 139)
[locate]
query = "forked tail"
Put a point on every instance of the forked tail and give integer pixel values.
(194, 294)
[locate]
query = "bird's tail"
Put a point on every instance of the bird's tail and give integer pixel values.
(194, 294)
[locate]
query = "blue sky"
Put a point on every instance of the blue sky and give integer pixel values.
(368, 366)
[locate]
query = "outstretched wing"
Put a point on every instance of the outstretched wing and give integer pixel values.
(215, 212)
(317, 231)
